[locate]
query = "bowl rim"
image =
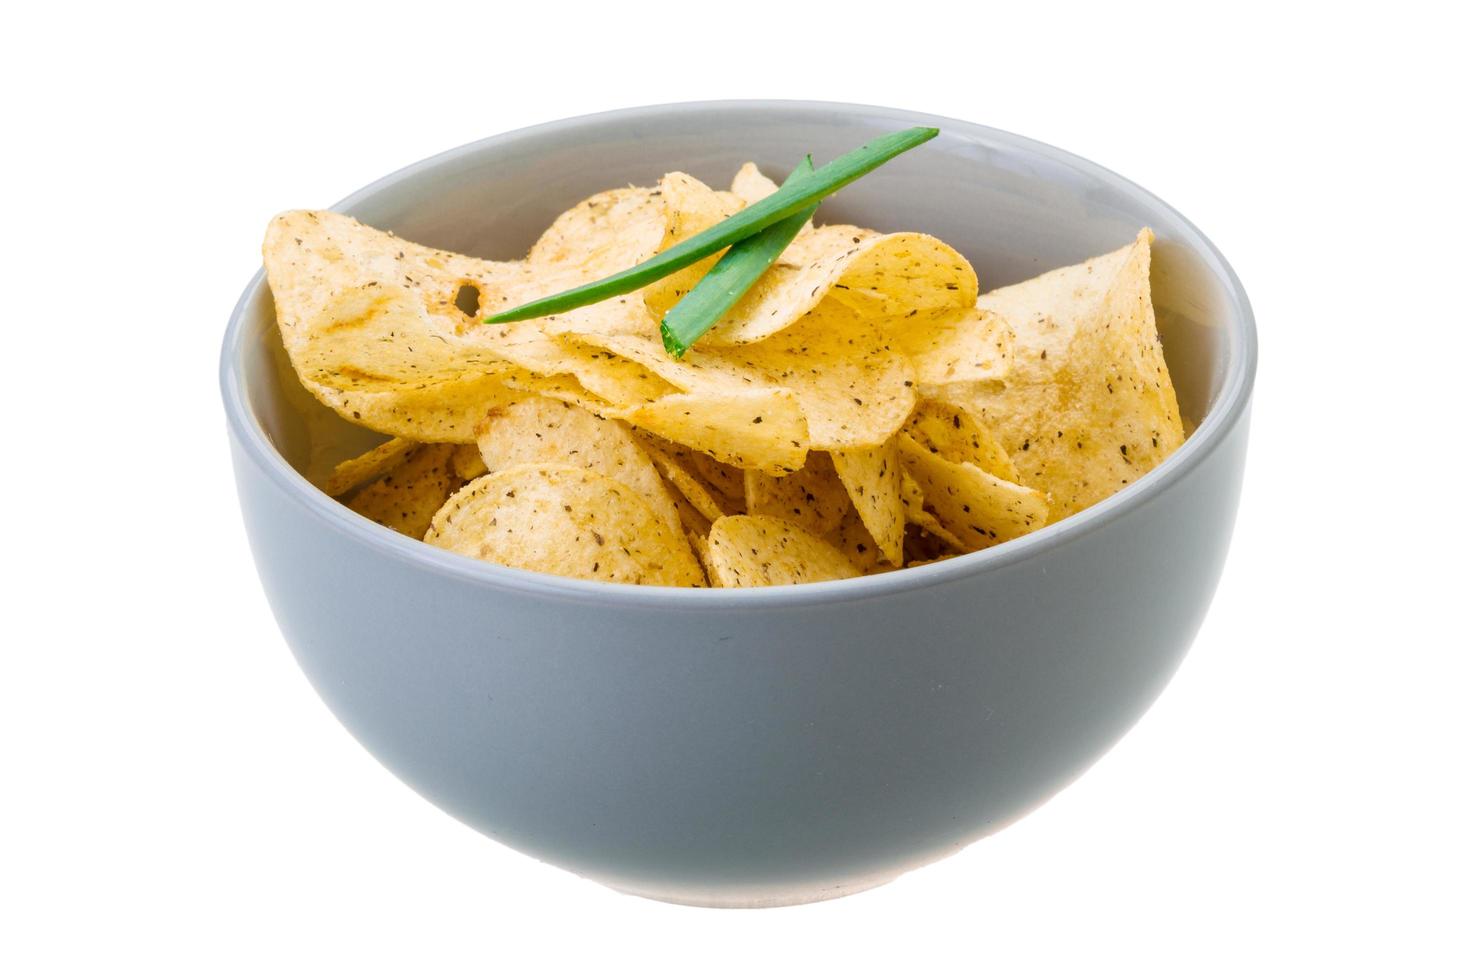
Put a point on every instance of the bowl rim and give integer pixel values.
(1229, 405)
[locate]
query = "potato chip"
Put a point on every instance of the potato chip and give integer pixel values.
(747, 550)
(854, 389)
(752, 429)
(369, 466)
(407, 496)
(372, 323)
(851, 538)
(955, 348)
(606, 233)
(565, 520)
(687, 485)
(812, 497)
(958, 436)
(919, 518)
(977, 508)
(750, 185)
(875, 275)
(543, 430)
(467, 463)
(690, 207)
(872, 477)
(1088, 406)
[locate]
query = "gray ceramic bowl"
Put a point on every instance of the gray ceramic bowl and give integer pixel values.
(767, 746)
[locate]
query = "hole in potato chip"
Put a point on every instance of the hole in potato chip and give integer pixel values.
(468, 299)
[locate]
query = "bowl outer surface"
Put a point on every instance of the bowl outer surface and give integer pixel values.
(776, 745)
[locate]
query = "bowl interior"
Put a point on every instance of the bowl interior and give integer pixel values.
(1014, 207)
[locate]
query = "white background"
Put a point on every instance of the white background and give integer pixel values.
(180, 803)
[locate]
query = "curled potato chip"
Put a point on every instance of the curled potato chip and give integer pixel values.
(1088, 406)
(687, 485)
(543, 430)
(921, 520)
(812, 497)
(407, 496)
(750, 185)
(872, 478)
(952, 348)
(854, 389)
(956, 435)
(749, 550)
(752, 429)
(372, 324)
(368, 466)
(875, 275)
(606, 233)
(851, 538)
(565, 520)
(977, 508)
(690, 207)
(467, 463)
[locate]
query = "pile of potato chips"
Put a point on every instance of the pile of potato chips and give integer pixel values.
(861, 409)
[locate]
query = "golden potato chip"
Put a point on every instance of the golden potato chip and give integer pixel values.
(746, 550)
(372, 324)
(851, 538)
(854, 389)
(690, 207)
(750, 185)
(687, 485)
(872, 478)
(958, 436)
(467, 463)
(407, 496)
(955, 347)
(606, 233)
(1088, 406)
(369, 466)
(875, 275)
(812, 497)
(543, 430)
(565, 520)
(919, 518)
(753, 429)
(977, 508)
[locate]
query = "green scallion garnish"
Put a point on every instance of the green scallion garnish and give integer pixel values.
(794, 197)
(738, 269)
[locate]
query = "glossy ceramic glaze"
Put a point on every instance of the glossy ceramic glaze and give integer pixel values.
(766, 746)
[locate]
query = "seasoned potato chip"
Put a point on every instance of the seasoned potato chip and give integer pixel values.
(565, 520)
(977, 508)
(876, 275)
(956, 435)
(606, 233)
(369, 466)
(851, 538)
(812, 497)
(687, 485)
(872, 479)
(542, 430)
(750, 185)
(467, 463)
(747, 550)
(372, 324)
(955, 348)
(690, 207)
(752, 429)
(853, 388)
(1088, 406)
(407, 496)
(921, 520)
